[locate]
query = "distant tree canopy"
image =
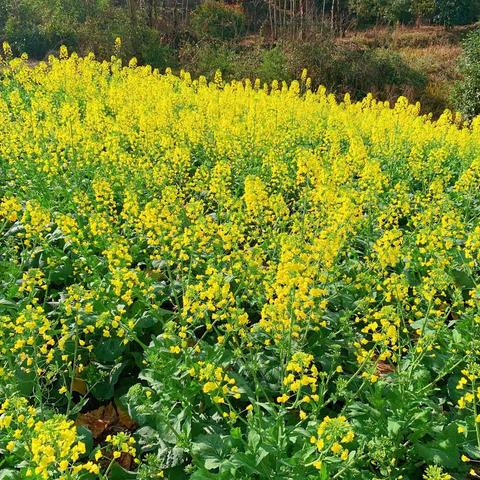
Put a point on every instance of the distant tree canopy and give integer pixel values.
(442, 12)
(466, 94)
(150, 29)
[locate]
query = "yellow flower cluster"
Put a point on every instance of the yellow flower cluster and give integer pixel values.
(32, 279)
(434, 472)
(332, 436)
(48, 449)
(54, 447)
(388, 248)
(215, 382)
(36, 220)
(469, 381)
(382, 327)
(301, 378)
(10, 209)
(121, 443)
(30, 337)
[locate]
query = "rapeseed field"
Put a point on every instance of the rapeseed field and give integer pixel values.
(208, 280)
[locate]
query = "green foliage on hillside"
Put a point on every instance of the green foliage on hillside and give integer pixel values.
(466, 95)
(39, 26)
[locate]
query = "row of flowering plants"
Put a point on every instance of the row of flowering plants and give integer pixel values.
(207, 280)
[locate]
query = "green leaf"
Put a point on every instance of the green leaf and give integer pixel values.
(25, 381)
(119, 473)
(393, 427)
(210, 451)
(253, 439)
(323, 474)
(261, 453)
(421, 324)
(85, 435)
(206, 475)
(472, 452)
(7, 303)
(62, 273)
(172, 456)
(212, 463)
(107, 350)
(462, 279)
(7, 474)
(445, 455)
(245, 461)
(105, 390)
(457, 336)
(148, 439)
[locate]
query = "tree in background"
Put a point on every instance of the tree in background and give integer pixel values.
(466, 95)
(23, 27)
(367, 12)
(214, 19)
(453, 12)
(40, 26)
(423, 10)
(390, 12)
(442, 12)
(37, 26)
(156, 30)
(397, 11)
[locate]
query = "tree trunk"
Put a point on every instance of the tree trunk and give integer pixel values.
(323, 15)
(332, 13)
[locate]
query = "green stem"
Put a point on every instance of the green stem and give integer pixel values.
(475, 412)
(72, 374)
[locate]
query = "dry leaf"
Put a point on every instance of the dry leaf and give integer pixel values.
(384, 368)
(125, 460)
(106, 419)
(124, 420)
